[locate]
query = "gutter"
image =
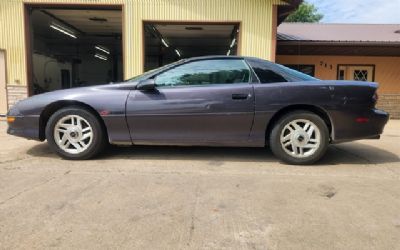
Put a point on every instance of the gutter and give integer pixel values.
(339, 43)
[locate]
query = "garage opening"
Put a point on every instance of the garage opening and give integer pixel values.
(168, 42)
(74, 47)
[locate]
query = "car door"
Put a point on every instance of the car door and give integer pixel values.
(197, 103)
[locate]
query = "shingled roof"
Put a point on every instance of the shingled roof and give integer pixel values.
(339, 33)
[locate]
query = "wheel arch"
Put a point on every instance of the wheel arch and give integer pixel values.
(306, 107)
(51, 108)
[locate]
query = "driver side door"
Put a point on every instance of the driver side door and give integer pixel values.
(203, 102)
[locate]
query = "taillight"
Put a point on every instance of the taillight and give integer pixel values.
(362, 120)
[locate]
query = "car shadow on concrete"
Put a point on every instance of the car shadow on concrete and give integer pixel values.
(349, 153)
(214, 154)
(358, 153)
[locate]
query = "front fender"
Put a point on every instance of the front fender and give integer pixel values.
(107, 101)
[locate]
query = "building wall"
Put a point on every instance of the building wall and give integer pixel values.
(387, 74)
(3, 96)
(256, 17)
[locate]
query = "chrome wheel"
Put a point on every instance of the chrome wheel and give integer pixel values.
(73, 134)
(300, 138)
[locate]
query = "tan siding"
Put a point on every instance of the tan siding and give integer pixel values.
(254, 15)
(386, 68)
(12, 40)
(3, 95)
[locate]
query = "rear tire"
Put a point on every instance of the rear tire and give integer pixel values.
(299, 138)
(75, 133)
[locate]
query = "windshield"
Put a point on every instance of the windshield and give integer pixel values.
(294, 74)
(149, 73)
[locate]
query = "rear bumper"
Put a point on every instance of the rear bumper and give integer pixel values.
(347, 128)
(25, 126)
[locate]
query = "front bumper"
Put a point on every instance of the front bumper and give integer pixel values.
(25, 126)
(346, 127)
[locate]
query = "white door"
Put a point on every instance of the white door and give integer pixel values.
(3, 91)
(356, 73)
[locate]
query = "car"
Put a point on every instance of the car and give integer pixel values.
(228, 101)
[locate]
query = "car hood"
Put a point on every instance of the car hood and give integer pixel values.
(34, 104)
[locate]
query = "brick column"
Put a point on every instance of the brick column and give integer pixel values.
(16, 93)
(391, 104)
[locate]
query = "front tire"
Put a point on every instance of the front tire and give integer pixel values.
(299, 138)
(75, 133)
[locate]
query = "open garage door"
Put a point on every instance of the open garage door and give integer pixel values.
(169, 42)
(73, 46)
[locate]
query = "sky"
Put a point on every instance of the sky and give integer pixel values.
(359, 11)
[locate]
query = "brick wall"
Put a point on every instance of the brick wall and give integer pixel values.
(390, 103)
(16, 93)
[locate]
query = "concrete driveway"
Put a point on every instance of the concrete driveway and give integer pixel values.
(200, 198)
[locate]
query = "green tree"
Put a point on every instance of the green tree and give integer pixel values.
(306, 13)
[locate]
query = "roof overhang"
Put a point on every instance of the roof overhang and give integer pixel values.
(339, 43)
(343, 48)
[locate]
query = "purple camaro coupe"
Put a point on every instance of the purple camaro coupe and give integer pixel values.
(206, 101)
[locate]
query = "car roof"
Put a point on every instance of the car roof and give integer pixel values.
(218, 57)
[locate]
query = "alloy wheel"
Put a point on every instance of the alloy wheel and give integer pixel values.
(73, 134)
(300, 138)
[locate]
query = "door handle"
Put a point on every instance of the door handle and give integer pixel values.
(240, 96)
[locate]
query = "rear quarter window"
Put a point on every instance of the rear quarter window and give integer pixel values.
(268, 72)
(267, 75)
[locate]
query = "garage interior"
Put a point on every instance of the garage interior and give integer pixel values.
(73, 47)
(169, 42)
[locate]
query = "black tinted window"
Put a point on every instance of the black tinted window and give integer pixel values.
(205, 72)
(292, 74)
(269, 72)
(265, 74)
(306, 69)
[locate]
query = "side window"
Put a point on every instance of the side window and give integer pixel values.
(205, 72)
(265, 74)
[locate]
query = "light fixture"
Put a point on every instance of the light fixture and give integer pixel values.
(101, 57)
(193, 28)
(98, 19)
(229, 53)
(233, 42)
(63, 30)
(165, 43)
(101, 48)
(178, 53)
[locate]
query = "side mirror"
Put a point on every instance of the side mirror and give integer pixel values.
(146, 85)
